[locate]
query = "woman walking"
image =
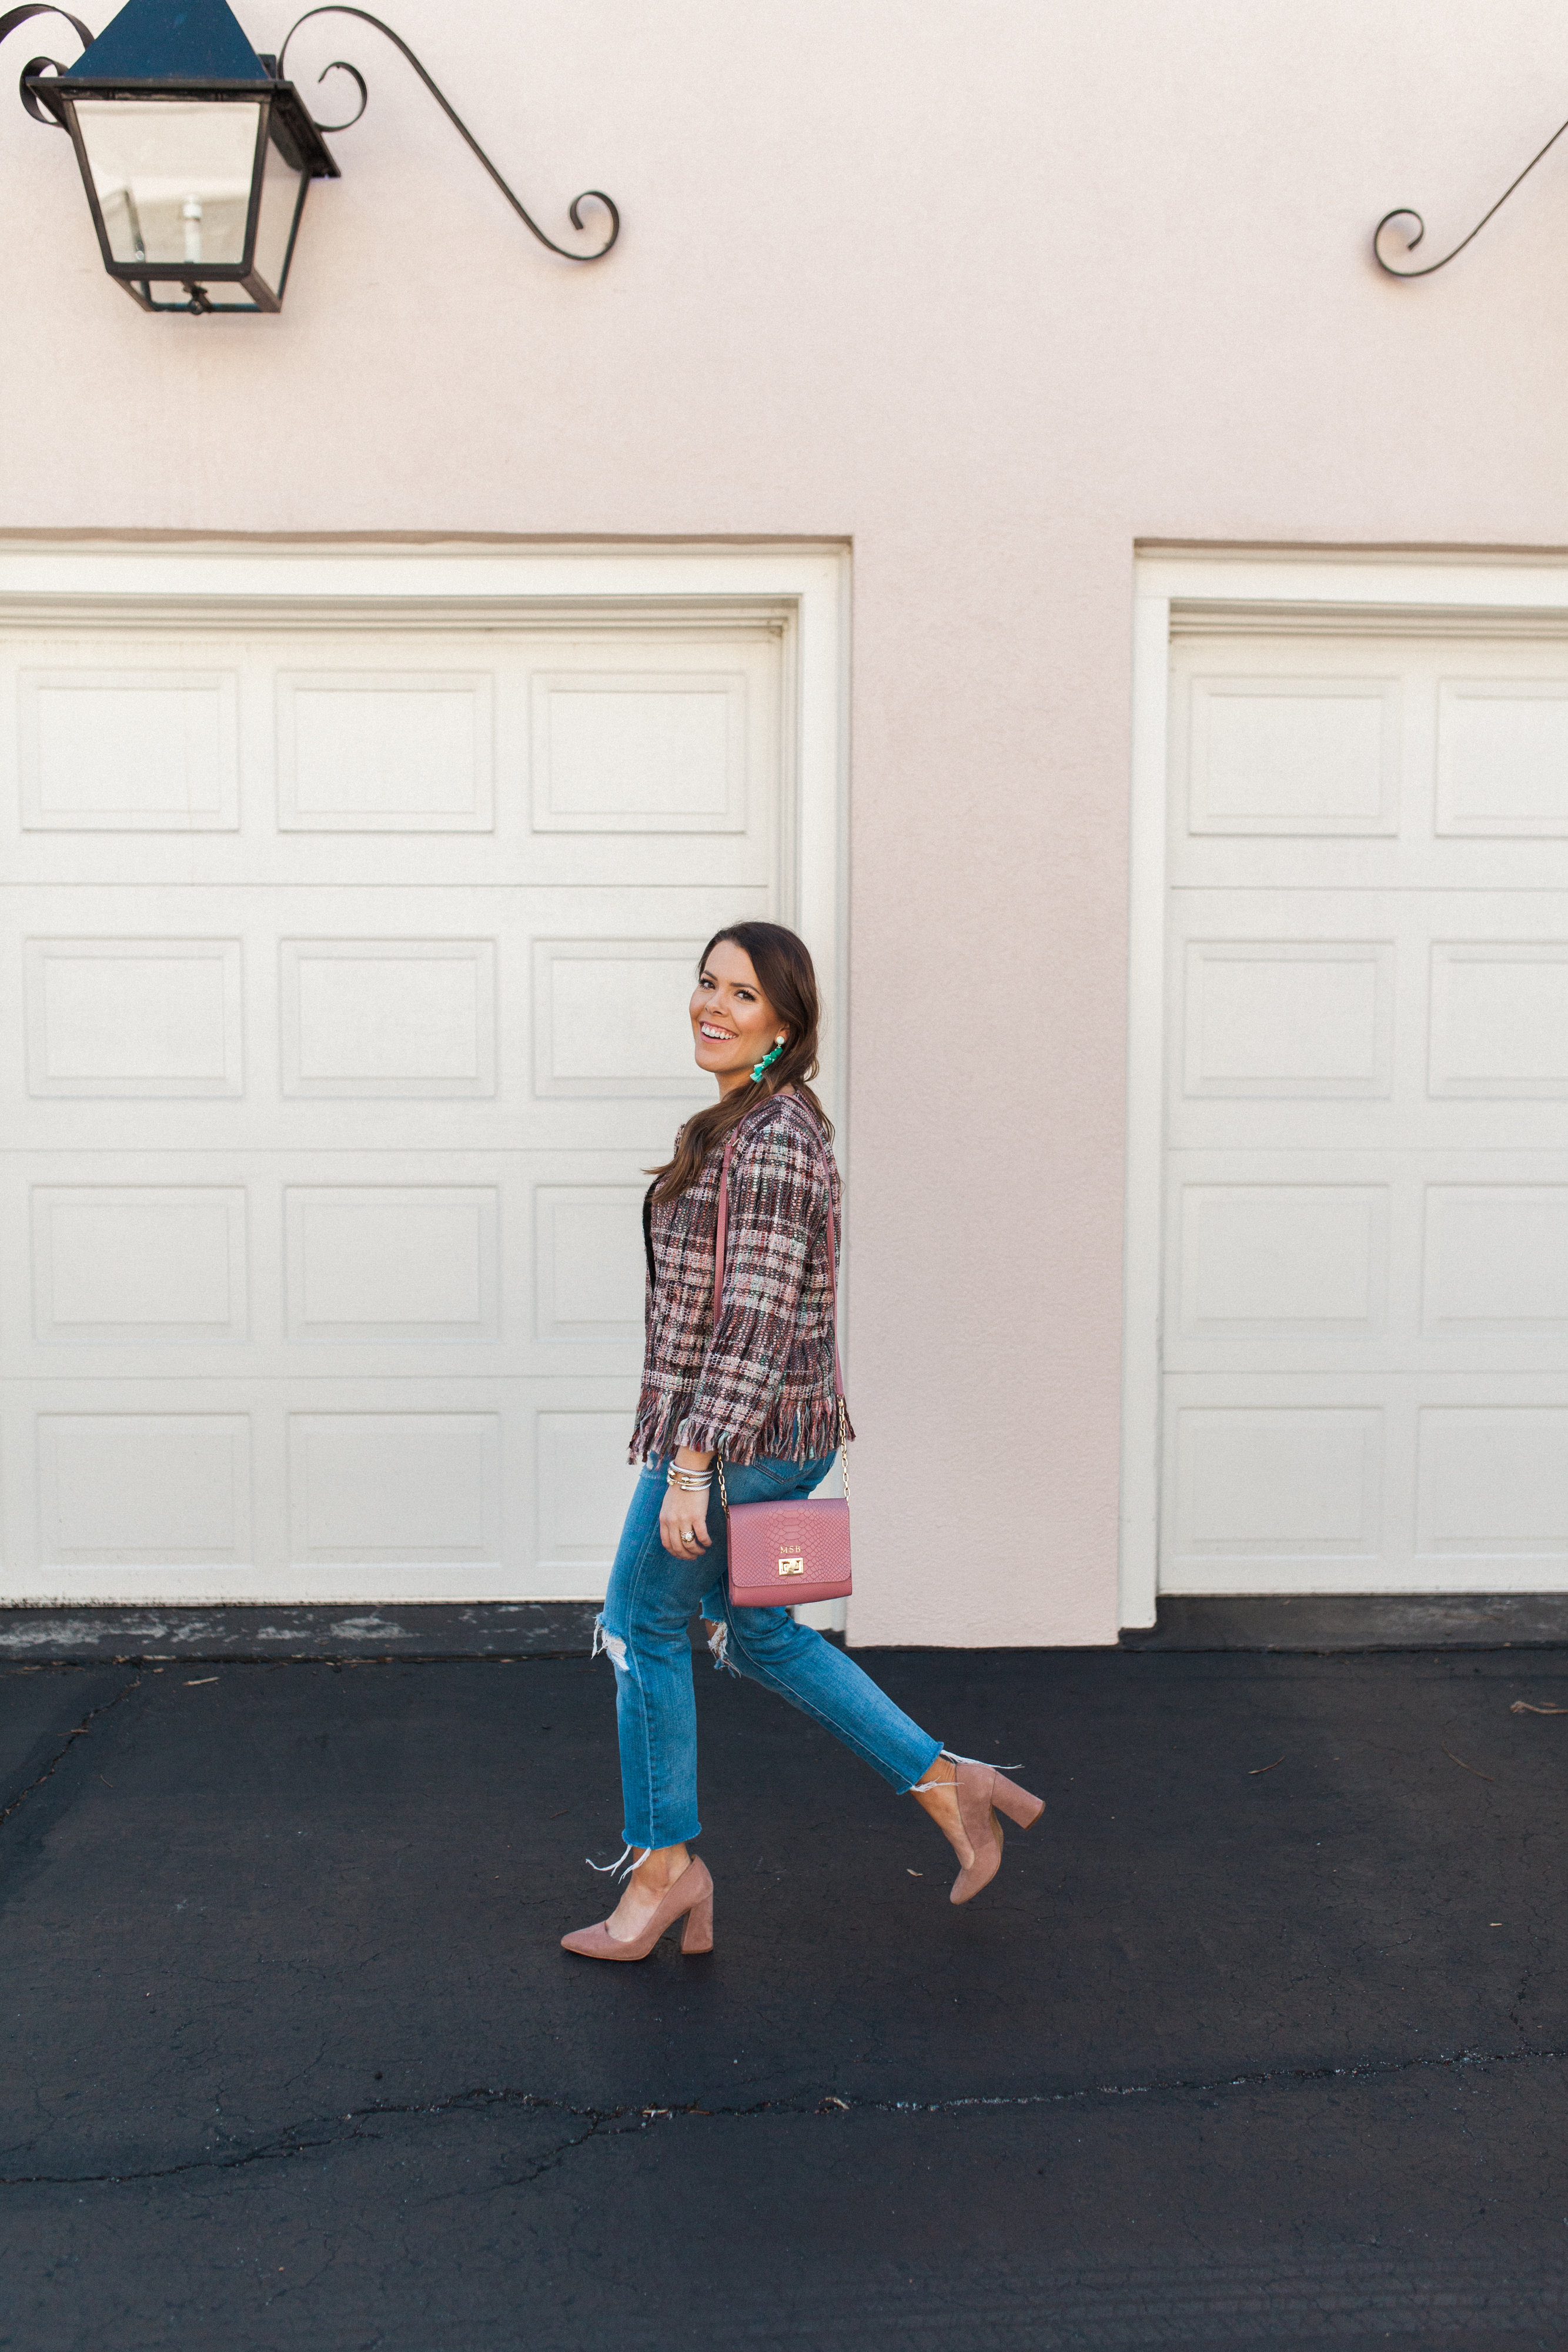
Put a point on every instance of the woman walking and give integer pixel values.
(753, 1385)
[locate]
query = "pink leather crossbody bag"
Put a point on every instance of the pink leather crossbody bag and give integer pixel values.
(784, 1553)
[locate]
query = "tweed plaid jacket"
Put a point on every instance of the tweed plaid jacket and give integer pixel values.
(759, 1384)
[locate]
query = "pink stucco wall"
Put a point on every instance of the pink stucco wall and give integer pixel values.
(992, 289)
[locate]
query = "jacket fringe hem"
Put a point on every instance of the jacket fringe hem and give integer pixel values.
(805, 1436)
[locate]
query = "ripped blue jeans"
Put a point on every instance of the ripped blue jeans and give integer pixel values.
(644, 1626)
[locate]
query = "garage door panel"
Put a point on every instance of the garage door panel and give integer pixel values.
(1297, 756)
(723, 865)
(1373, 1017)
(1493, 1480)
(610, 1016)
(1280, 1260)
(589, 1263)
(395, 1485)
(104, 749)
(1496, 1260)
(139, 1266)
(392, 1265)
(107, 1486)
(346, 1010)
(584, 1485)
(1274, 1486)
(1417, 916)
(1502, 759)
(1368, 1261)
(1295, 763)
(633, 750)
(1407, 1121)
(1500, 1019)
(385, 750)
(144, 1487)
(230, 760)
(568, 1005)
(1309, 1018)
(1365, 1332)
(134, 1017)
(1392, 862)
(340, 1490)
(323, 1264)
(1393, 1483)
(410, 1017)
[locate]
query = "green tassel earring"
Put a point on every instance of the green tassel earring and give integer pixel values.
(768, 1060)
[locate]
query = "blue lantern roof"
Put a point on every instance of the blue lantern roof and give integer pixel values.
(169, 40)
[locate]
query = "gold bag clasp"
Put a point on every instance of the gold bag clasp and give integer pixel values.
(793, 1565)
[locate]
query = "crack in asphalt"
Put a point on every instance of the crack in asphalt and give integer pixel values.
(293, 2140)
(50, 1769)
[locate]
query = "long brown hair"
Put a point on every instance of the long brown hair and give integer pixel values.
(787, 980)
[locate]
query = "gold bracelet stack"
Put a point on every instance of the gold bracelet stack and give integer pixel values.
(690, 1482)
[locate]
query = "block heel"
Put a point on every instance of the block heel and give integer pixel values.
(696, 1935)
(1016, 1802)
(982, 1790)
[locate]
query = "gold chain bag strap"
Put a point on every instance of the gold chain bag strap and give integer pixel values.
(783, 1553)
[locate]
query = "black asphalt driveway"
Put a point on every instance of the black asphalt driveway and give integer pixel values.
(1261, 2036)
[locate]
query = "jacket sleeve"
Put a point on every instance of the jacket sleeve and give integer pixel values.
(776, 1204)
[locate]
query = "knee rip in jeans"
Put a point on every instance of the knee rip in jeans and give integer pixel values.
(612, 1644)
(718, 1643)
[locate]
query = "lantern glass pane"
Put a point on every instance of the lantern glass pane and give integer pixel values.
(280, 187)
(172, 175)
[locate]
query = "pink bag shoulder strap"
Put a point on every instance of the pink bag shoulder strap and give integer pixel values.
(721, 1236)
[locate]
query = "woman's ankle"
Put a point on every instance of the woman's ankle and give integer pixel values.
(661, 1866)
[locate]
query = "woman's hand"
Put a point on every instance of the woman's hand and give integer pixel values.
(682, 1518)
(682, 1523)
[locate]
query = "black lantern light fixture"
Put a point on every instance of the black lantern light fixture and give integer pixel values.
(196, 151)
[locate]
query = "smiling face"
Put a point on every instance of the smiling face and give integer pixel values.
(733, 1025)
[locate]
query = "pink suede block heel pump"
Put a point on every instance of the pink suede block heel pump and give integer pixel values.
(690, 1898)
(983, 1793)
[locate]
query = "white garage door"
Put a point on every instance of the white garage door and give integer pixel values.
(1365, 1314)
(344, 1001)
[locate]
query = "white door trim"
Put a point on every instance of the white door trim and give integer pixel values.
(1174, 591)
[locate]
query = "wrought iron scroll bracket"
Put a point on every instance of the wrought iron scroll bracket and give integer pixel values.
(8, 24)
(340, 64)
(1408, 212)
